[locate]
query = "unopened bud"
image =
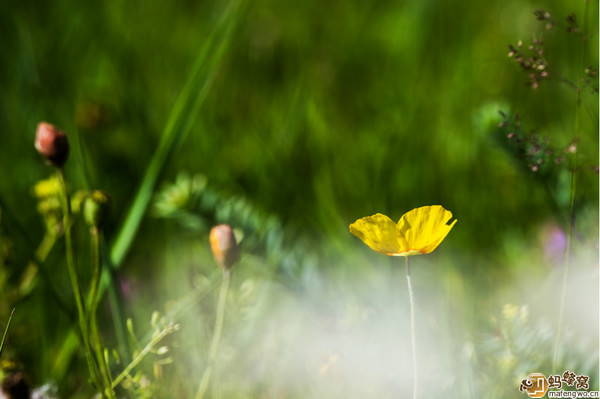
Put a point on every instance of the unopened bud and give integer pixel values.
(224, 246)
(95, 208)
(52, 144)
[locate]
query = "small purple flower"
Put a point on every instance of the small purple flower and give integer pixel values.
(554, 242)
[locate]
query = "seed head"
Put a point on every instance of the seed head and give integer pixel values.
(224, 246)
(542, 15)
(52, 144)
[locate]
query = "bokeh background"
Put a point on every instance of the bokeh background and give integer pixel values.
(313, 115)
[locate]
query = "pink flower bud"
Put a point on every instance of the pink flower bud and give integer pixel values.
(224, 246)
(52, 144)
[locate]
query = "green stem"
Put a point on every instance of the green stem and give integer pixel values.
(6, 331)
(155, 340)
(18, 227)
(72, 269)
(115, 300)
(572, 187)
(216, 339)
(28, 277)
(109, 279)
(96, 269)
(412, 327)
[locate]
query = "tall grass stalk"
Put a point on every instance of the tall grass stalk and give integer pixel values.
(572, 188)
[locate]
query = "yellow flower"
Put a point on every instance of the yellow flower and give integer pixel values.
(418, 232)
(47, 188)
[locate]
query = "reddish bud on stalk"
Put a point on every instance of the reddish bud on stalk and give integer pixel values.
(224, 246)
(52, 144)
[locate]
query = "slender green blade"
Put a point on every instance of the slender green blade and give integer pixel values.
(179, 124)
(6, 331)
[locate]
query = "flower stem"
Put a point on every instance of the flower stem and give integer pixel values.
(6, 330)
(572, 186)
(216, 339)
(412, 327)
(73, 276)
(140, 356)
(93, 320)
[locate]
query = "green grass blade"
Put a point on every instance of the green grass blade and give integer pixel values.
(178, 125)
(6, 331)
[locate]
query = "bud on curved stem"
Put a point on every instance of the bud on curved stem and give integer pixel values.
(95, 208)
(224, 246)
(52, 144)
(226, 253)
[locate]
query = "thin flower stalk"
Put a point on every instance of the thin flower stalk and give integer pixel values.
(413, 337)
(74, 278)
(95, 283)
(226, 253)
(218, 331)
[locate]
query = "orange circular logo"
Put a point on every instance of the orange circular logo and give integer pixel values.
(537, 385)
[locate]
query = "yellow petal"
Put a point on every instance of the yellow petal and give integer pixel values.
(378, 232)
(425, 228)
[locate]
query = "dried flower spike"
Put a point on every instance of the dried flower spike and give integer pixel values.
(52, 144)
(224, 246)
(542, 15)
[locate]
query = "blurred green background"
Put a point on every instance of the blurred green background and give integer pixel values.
(319, 113)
